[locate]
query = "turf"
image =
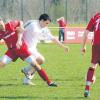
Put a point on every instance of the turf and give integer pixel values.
(67, 69)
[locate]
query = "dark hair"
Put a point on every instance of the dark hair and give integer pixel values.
(44, 17)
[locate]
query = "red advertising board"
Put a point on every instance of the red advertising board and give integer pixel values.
(75, 35)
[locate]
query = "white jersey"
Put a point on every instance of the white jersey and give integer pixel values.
(33, 33)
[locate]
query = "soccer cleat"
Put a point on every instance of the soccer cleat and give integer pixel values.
(53, 84)
(27, 81)
(86, 93)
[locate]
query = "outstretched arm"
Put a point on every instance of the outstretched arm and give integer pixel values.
(66, 48)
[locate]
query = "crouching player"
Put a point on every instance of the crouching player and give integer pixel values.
(93, 26)
(12, 33)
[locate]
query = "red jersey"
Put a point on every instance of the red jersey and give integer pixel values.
(10, 35)
(94, 26)
(62, 23)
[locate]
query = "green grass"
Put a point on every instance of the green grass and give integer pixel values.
(68, 70)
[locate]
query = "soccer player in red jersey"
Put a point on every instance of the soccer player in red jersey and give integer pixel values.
(12, 33)
(93, 26)
(62, 24)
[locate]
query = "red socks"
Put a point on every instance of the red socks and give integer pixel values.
(89, 79)
(87, 87)
(44, 76)
(90, 74)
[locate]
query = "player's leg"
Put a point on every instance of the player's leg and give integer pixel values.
(62, 32)
(29, 71)
(89, 79)
(63, 35)
(40, 71)
(91, 71)
(43, 74)
(28, 57)
(59, 34)
(5, 59)
(40, 61)
(8, 57)
(2, 64)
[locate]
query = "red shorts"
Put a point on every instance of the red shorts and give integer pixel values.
(15, 53)
(95, 54)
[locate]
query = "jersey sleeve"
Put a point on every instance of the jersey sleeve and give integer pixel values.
(90, 25)
(47, 34)
(13, 24)
(16, 23)
(29, 26)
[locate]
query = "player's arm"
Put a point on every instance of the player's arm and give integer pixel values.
(20, 31)
(66, 48)
(89, 28)
(56, 41)
(83, 49)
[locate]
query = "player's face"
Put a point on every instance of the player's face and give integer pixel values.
(44, 23)
(2, 25)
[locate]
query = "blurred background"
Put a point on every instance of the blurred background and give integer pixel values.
(74, 11)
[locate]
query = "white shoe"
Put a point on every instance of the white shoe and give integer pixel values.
(27, 81)
(27, 74)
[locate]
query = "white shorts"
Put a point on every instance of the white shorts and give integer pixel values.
(36, 54)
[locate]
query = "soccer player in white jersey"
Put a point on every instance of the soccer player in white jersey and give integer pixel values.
(34, 30)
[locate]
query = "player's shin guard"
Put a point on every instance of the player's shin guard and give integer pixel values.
(44, 76)
(89, 79)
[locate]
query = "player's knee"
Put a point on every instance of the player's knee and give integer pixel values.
(33, 62)
(40, 60)
(2, 64)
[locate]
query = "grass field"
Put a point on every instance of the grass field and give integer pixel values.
(68, 70)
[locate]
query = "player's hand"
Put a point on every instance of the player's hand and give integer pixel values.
(18, 44)
(66, 48)
(83, 50)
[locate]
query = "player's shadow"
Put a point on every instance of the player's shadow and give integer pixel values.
(70, 79)
(7, 85)
(40, 98)
(22, 98)
(15, 97)
(76, 98)
(4, 84)
(67, 98)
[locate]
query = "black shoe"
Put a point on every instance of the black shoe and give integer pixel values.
(53, 84)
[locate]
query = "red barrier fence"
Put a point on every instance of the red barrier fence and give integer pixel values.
(75, 35)
(72, 35)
